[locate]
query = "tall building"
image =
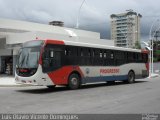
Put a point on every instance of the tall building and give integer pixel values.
(125, 29)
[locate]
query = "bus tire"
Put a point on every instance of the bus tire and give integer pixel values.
(74, 81)
(51, 86)
(131, 77)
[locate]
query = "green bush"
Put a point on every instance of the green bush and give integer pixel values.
(155, 59)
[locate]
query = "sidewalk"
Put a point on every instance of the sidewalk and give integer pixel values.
(7, 80)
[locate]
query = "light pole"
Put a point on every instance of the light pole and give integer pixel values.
(150, 51)
(148, 47)
(77, 23)
(151, 46)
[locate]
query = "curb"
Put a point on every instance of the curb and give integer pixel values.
(14, 85)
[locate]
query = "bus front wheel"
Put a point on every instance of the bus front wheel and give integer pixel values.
(131, 77)
(74, 81)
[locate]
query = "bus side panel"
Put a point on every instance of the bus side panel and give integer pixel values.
(91, 74)
(100, 73)
(138, 69)
(112, 73)
(60, 76)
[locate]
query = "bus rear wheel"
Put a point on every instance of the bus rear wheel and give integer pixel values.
(74, 81)
(131, 77)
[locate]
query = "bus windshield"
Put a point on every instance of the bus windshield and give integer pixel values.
(28, 57)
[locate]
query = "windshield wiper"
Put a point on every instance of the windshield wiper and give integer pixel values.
(27, 60)
(23, 62)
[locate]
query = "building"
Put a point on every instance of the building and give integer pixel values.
(13, 33)
(125, 29)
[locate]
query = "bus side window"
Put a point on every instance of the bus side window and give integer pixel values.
(101, 54)
(81, 52)
(89, 52)
(105, 54)
(139, 57)
(97, 56)
(145, 57)
(51, 54)
(67, 52)
(93, 53)
(46, 54)
(130, 57)
(112, 55)
(119, 57)
(51, 59)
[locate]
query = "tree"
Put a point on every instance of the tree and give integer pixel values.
(137, 45)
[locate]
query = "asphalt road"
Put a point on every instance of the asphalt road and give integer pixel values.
(140, 97)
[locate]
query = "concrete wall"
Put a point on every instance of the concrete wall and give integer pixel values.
(23, 37)
(5, 52)
(15, 26)
(2, 43)
(14, 63)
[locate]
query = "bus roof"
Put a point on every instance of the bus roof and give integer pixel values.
(94, 44)
(100, 46)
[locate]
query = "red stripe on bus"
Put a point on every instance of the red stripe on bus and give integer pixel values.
(145, 51)
(60, 76)
(57, 42)
(147, 66)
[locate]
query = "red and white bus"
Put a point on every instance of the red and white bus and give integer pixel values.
(58, 62)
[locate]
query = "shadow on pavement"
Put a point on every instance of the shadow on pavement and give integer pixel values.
(45, 90)
(108, 84)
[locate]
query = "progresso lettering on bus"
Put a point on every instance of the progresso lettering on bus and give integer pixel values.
(107, 71)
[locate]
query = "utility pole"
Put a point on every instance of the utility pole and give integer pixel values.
(157, 35)
(78, 15)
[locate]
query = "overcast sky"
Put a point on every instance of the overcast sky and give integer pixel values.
(94, 15)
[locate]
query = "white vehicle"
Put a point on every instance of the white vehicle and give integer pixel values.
(59, 62)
